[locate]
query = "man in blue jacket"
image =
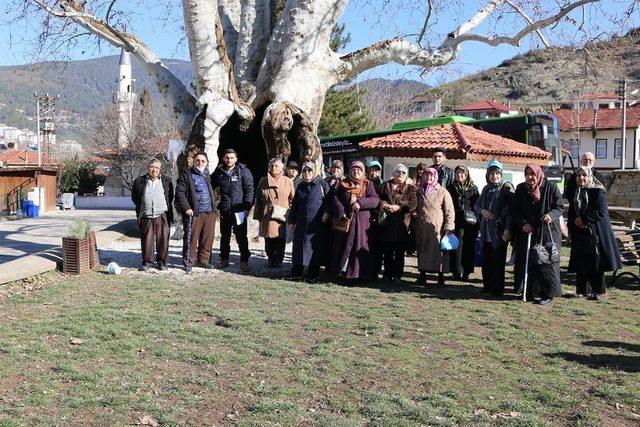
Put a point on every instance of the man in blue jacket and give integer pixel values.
(236, 199)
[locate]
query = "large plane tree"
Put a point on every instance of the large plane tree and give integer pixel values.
(262, 68)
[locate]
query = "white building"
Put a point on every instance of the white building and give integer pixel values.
(484, 110)
(599, 131)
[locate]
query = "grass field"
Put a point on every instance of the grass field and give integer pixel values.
(203, 350)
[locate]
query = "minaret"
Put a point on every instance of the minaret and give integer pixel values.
(124, 99)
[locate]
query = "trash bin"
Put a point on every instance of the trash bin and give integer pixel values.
(27, 207)
(67, 201)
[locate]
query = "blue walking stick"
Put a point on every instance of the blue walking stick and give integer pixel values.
(188, 254)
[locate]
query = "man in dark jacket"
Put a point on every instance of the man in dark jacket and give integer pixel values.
(236, 199)
(587, 160)
(195, 200)
(445, 173)
(153, 195)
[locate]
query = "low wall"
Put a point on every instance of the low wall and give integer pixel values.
(624, 191)
(103, 202)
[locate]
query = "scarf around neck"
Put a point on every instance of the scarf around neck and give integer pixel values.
(534, 189)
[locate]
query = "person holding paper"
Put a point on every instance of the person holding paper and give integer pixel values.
(273, 199)
(235, 182)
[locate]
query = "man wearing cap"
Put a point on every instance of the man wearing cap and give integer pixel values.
(445, 173)
(293, 172)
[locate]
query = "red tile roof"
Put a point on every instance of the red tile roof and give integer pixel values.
(22, 157)
(460, 141)
(484, 105)
(570, 119)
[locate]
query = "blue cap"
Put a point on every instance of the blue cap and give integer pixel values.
(494, 164)
(374, 163)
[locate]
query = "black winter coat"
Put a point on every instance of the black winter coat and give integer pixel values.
(445, 176)
(310, 235)
(595, 215)
(140, 186)
(571, 186)
(186, 193)
(464, 201)
(236, 188)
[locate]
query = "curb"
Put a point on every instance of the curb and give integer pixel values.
(42, 262)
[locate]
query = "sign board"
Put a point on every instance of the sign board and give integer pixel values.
(341, 146)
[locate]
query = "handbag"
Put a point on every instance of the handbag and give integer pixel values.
(544, 253)
(382, 216)
(469, 217)
(277, 212)
(341, 225)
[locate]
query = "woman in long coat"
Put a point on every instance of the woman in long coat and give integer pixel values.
(354, 198)
(537, 207)
(436, 217)
(464, 195)
(593, 246)
(397, 201)
(495, 228)
(310, 233)
(273, 189)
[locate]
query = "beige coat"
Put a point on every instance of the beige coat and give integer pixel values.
(277, 191)
(435, 215)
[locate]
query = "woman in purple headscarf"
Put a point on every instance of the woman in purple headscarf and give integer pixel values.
(436, 217)
(352, 201)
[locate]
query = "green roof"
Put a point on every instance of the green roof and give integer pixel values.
(424, 123)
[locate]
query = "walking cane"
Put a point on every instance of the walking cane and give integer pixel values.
(526, 268)
(188, 254)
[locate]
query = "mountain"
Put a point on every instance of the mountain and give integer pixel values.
(545, 79)
(84, 87)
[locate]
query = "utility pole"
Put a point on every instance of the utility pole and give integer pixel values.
(38, 129)
(622, 92)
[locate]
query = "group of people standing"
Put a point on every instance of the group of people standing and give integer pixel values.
(358, 225)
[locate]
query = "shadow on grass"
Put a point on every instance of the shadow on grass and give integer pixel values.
(598, 361)
(614, 344)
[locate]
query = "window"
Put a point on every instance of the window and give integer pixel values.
(574, 146)
(601, 148)
(617, 148)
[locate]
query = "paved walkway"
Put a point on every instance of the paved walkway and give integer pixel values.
(31, 235)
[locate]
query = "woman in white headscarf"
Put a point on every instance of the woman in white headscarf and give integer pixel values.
(593, 246)
(310, 233)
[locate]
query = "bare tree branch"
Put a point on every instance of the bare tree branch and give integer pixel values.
(426, 21)
(168, 84)
(529, 21)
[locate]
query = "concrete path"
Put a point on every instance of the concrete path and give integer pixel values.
(32, 246)
(31, 235)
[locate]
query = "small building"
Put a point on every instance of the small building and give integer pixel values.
(484, 110)
(599, 131)
(464, 144)
(427, 105)
(12, 157)
(599, 101)
(17, 182)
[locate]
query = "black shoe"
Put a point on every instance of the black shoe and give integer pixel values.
(204, 265)
(162, 266)
(312, 280)
(544, 301)
(465, 277)
(144, 267)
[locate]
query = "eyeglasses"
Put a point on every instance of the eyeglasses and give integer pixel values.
(307, 170)
(401, 172)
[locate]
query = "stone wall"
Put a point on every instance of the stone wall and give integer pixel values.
(624, 191)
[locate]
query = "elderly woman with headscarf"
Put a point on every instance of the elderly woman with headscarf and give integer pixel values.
(464, 195)
(436, 217)
(273, 199)
(351, 205)
(398, 200)
(537, 207)
(310, 233)
(593, 246)
(495, 227)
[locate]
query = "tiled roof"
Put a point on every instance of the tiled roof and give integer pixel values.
(484, 105)
(22, 157)
(599, 96)
(570, 119)
(460, 141)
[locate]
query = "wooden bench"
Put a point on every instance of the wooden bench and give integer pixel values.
(629, 246)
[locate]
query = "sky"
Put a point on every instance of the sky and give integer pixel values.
(367, 21)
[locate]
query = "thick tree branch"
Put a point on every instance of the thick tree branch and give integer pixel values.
(182, 102)
(515, 40)
(529, 21)
(229, 11)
